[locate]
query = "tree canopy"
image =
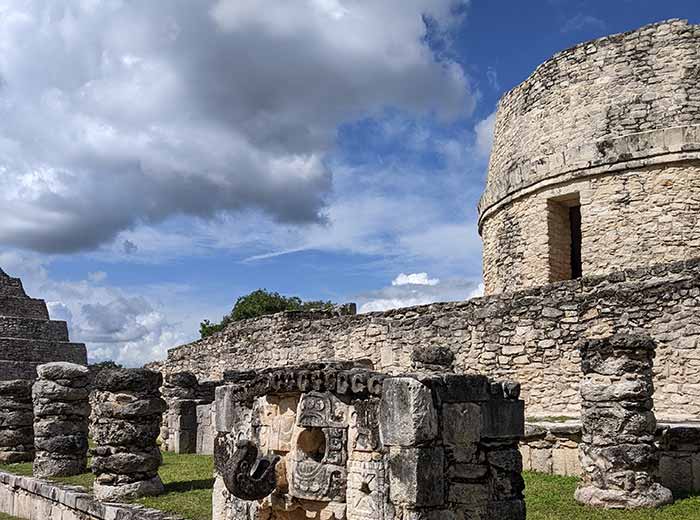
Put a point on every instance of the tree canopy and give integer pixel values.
(261, 303)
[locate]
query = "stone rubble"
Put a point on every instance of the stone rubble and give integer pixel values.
(128, 414)
(61, 413)
(16, 422)
(617, 451)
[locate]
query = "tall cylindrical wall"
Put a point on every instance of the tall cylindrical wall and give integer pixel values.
(611, 126)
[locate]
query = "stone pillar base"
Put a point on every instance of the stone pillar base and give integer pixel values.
(57, 466)
(143, 488)
(655, 496)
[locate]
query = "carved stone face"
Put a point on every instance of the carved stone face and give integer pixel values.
(317, 463)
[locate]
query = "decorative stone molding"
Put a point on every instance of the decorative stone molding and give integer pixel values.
(351, 443)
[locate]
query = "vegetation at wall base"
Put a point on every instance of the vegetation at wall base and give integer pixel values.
(261, 303)
(551, 497)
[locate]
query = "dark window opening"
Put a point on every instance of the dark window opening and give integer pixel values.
(575, 222)
(564, 238)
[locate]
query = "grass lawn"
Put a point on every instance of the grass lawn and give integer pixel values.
(7, 517)
(551, 497)
(188, 484)
(187, 478)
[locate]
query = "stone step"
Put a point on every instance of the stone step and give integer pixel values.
(23, 307)
(13, 327)
(11, 287)
(10, 370)
(39, 351)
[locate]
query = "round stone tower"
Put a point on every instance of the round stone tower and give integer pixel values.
(596, 161)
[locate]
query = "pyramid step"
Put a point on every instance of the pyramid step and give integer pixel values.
(13, 327)
(11, 287)
(10, 370)
(23, 307)
(38, 351)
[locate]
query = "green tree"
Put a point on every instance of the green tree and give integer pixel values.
(261, 303)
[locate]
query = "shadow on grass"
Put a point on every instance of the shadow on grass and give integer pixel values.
(189, 485)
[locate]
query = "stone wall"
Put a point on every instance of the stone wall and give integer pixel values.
(616, 119)
(530, 336)
(627, 220)
(35, 499)
(552, 448)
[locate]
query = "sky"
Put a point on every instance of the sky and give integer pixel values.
(160, 159)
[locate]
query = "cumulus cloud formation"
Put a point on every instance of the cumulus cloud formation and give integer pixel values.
(414, 279)
(117, 114)
(116, 323)
(418, 289)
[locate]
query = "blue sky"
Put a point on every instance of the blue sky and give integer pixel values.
(160, 159)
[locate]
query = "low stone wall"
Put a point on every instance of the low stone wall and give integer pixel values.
(552, 448)
(35, 499)
(530, 336)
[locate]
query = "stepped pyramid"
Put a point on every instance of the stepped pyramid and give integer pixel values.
(27, 336)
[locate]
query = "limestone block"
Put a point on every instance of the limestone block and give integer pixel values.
(503, 419)
(407, 415)
(461, 423)
(417, 476)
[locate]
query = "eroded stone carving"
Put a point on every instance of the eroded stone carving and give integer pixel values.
(366, 446)
(246, 475)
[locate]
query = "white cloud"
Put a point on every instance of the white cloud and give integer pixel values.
(484, 135)
(414, 279)
(120, 114)
(128, 325)
(416, 292)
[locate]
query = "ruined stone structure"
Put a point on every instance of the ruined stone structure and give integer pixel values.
(27, 337)
(129, 412)
(530, 336)
(61, 412)
(595, 161)
(619, 457)
(16, 418)
(337, 441)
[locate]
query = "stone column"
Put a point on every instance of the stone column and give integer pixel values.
(617, 450)
(129, 412)
(61, 412)
(179, 431)
(16, 418)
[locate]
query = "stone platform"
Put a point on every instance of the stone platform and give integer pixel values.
(28, 337)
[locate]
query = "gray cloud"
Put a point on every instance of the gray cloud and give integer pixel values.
(119, 114)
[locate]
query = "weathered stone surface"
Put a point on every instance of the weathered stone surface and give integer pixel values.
(407, 416)
(16, 421)
(417, 476)
(611, 124)
(128, 415)
(27, 336)
(619, 457)
(60, 397)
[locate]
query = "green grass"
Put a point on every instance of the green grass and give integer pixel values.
(551, 497)
(3, 516)
(187, 478)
